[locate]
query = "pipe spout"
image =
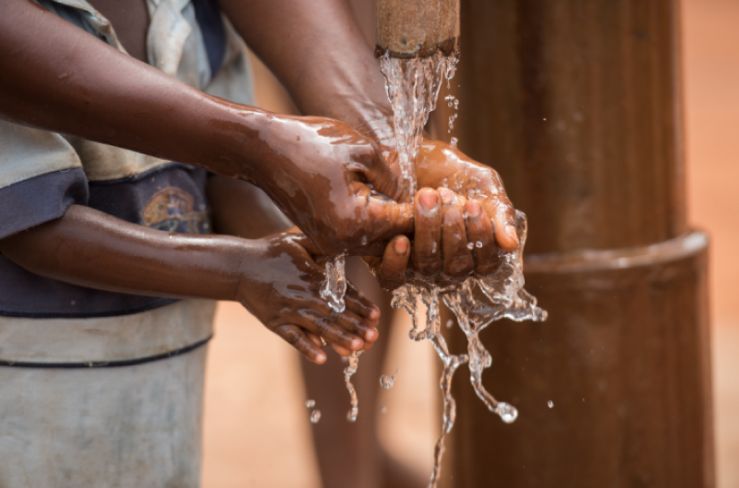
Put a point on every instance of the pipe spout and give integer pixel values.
(417, 28)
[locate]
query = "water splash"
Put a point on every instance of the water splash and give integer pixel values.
(387, 381)
(314, 415)
(349, 371)
(334, 285)
(413, 86)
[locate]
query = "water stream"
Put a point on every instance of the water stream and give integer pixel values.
(413, 87)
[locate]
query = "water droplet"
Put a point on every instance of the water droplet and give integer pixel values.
(449, 323)
(383, 410)
(334, 284)
(550, 404)
(478, 244)
(315, 416)
(387, 381)
(470, 245)
(310, 403)
(454, 142)
(506, 412)
(365, 240)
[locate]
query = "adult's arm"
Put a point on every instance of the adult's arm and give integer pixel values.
(318, 52)
(58, 77)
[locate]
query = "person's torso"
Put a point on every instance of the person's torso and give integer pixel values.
(187, 39)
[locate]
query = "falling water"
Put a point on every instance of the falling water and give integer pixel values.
(477, 301)
(413, 87)
(334, 284)
(349, 371)
(314, 415)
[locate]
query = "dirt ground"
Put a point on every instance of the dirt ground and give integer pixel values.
(256, 428)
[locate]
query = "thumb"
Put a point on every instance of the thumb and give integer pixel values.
(386, 218)
(383, 172)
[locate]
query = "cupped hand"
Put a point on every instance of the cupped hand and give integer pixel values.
(334, 183)
(459, 228)
(280, 285)
(442, 165)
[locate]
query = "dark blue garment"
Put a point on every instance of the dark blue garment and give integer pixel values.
(170, 198)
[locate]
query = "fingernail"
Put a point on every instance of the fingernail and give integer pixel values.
(428, 199)
(371, 335)
(374, 314)
(511, 231)
(357, 344)
(473, 209)
(400, 246)
(447, 196)
(320, 358)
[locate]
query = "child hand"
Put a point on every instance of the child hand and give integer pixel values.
(477, 217)
(281, 287)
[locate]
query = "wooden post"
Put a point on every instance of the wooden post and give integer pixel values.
(408, 28)
(578, 105)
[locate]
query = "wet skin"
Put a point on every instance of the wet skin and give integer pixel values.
(314, 168)
(112, 98)
(275, 278)
(89, 89)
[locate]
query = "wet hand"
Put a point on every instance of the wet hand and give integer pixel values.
(334, 183)
(459, 228)
(280, 285)
(476, 217)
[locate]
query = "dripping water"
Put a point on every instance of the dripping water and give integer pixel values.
(350, 370)
(413, 86)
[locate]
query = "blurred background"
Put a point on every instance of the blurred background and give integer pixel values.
(256, 425)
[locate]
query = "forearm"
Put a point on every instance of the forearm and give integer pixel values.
(58, 77)
(89, 248)
(318, 52)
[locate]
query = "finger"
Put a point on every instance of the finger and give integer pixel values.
(316, 339)
(359, 327)
(504, 219)
(385, 218)
(341, 351)
(426, 251)
(480, 231)
(333, 330)
(368, 320)
(457, 254)
(297, 338)
(394, 265)
(382, 170)
(361, 306)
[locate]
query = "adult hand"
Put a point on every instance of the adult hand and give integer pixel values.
(332, 182)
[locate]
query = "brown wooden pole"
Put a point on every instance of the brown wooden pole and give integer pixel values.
(408, 28)
(578, 105)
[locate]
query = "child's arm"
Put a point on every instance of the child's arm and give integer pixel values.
(58, 77)
(274, 278)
